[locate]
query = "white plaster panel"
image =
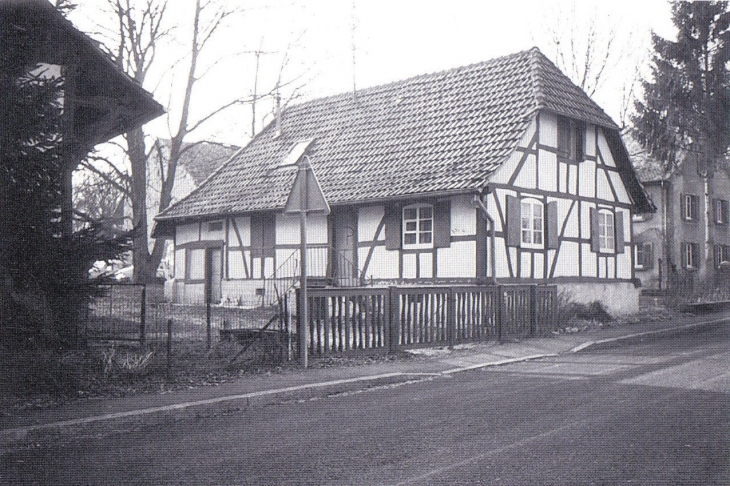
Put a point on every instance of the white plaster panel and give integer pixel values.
(605, 150)
(409, 265)
(180, 263)
(457, 261)
(585, 220)
(256, 267)
(539, 265)
(463, 216)
(604, 189)
(566, 265)
(235, 264)
(368, 219)
(548, 129)
(526, 268)
(426, 263)
(548, 171)
(383, 265)
(497, 195)
(197, 263)
(573, 179)
(591, 140)
(588, 263)
(611, 267)
(268, 267)
(288, 263)
(565, 212)
(618, 184)
(587, 178)
(627, 226)
(563, 177)
(624, 263)
(185, 233)
(244, 229)
(287, 229)
(527, 177)
(500, 257)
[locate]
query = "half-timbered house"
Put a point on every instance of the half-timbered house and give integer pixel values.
(499, 171)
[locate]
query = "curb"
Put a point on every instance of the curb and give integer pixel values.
(651, 335)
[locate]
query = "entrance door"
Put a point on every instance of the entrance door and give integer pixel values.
(213, 274)
(345, 233)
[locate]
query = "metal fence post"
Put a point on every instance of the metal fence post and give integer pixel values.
(143, 318)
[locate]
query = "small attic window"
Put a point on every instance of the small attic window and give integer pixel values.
(296, 153)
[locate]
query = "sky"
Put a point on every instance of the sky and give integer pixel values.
(392, 40)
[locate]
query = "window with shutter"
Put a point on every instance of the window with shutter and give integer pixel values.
(571, 139)
(607, 231)
(418, 222)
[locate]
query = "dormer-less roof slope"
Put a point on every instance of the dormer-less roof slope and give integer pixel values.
(436, 134)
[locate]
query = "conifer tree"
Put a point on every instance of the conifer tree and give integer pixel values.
(685, 114)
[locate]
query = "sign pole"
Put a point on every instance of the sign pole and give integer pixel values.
(303, 312)
(305, 196)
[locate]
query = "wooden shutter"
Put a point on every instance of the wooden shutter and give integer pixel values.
(618, 222)
(514, 221)
(257, 236)
(268, 234)
(683, 248)
(393, 228)
(552, 225)
(442, 224)
(595, 244)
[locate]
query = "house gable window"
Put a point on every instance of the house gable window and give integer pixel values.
(532, 227)
(418, 226)
(644, 256)
(690, 207)
(607, 231)
(722, 211)
(571, 139)
(690, 256)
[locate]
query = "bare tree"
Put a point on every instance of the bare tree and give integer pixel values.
(141, 33)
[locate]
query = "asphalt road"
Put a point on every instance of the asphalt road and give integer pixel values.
(656, 413)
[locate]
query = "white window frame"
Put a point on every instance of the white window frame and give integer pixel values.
(640, 250)
(721, 211)
(421, 226)
(606, 231)
(691, 259)
(532, 223)
(689, 209)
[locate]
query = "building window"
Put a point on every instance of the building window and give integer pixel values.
(571, 139)
(644, 256)
(691, 207)
(532, 228)
(606, 231)
(722, 210)
(691, 255)
(418, 226)
(722, 255)
(215, 226)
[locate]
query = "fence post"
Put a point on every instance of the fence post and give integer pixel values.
(208, 329)
(451, 318)
(393, 306)
(500, 312)
(143, 318)
(533, 309)
(169, 349)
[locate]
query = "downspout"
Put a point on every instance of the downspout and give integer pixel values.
(478, 202)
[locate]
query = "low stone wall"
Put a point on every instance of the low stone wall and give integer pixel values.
(618, 298)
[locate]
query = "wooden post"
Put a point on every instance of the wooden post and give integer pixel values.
(208, 329)
(500, 312)
(143, 317)
(451, 317)
(169, 349)
(392, 320)
(533, 309)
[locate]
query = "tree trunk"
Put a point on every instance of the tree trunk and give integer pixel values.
(138, 160)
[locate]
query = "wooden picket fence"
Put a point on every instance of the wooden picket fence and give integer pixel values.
(382, 320)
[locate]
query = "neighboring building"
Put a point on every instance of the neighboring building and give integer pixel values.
(500, 171)
(671, 245)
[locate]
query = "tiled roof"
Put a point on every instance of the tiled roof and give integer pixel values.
(433, 134)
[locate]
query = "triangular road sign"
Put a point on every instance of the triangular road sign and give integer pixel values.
(306, 194)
